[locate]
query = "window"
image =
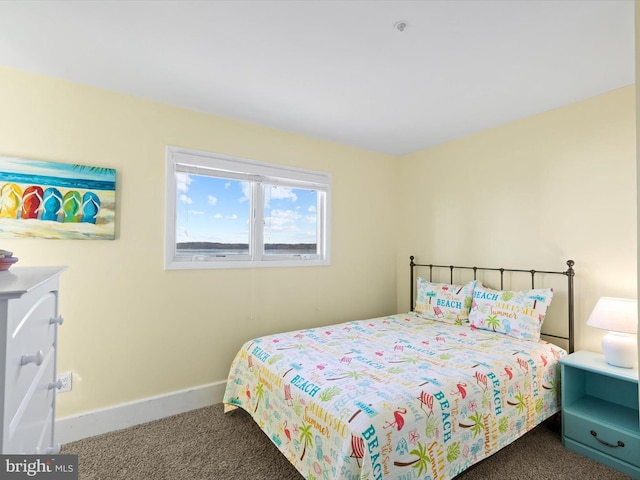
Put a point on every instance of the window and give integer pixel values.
(227, 212)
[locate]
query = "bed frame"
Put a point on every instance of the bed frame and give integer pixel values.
(351, 425)
(569, 273)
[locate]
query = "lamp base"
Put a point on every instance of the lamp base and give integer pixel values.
(620, 349)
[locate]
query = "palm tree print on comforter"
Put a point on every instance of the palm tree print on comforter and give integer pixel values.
(396, 397)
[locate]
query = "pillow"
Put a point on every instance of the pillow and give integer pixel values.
(443, 302)
(518, 314)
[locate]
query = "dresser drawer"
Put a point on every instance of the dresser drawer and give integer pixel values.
(21, 308)
(34, 336)
(32, 327)
(30, 426)
(580, 429)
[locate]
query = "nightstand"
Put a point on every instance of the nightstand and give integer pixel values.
(600, 411)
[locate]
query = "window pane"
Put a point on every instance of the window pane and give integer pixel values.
(226, 212)
(212, 216)
(290, 221)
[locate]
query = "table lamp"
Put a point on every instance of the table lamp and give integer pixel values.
(620, 317)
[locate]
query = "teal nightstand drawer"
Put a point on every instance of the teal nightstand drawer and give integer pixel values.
(603, 399)
(582, 430)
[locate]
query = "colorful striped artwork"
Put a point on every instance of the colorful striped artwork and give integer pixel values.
(56, 200)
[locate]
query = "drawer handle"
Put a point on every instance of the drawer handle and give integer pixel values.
(36, 358)
(53, 450)
(620, 443)
(57, 385)
(59, 320)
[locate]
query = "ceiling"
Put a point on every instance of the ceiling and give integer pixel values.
(335, 70)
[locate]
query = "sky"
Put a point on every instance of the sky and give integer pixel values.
(211, 209)
(54, 169)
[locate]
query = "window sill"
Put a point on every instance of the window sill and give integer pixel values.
(223, 264)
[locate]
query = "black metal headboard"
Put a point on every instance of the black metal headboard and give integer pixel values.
(569, 273)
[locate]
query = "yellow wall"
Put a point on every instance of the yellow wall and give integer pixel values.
(533, 193)
(133, 330)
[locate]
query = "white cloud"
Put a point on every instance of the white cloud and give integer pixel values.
(183, 181)
(312, 208)
(186, 199)
(281, 193)
(282, 220)
(212, 200)
(246, 192)
(219, 216)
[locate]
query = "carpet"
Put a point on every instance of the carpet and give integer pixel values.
(206, 444)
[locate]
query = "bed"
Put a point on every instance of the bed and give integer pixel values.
(419, 395)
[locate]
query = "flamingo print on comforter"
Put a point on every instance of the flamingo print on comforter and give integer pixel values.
(397, 397)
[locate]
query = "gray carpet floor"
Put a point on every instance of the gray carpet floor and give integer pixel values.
(206, 444)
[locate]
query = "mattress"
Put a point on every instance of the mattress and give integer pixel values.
(395, 397)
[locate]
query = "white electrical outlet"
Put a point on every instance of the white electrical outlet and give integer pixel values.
(65, 382)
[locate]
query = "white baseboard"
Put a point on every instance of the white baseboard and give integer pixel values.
(88, 424)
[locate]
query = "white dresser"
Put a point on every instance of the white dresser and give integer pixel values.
(28, 337)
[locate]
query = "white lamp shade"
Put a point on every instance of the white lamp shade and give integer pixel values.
(620, 317)
(615, 314)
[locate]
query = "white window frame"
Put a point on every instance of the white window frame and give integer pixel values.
(188, 160)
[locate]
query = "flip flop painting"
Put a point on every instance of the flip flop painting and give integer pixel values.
(56, 200)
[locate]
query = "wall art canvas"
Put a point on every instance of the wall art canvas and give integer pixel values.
(56, 200)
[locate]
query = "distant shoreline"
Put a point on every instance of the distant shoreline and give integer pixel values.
(311, 247)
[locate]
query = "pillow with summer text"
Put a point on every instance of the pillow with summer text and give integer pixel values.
(518, 314)
(444, 302)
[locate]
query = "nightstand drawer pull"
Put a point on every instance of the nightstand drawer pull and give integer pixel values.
(620, 443)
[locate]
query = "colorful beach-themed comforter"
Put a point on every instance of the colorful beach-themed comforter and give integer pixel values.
(397, 397)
